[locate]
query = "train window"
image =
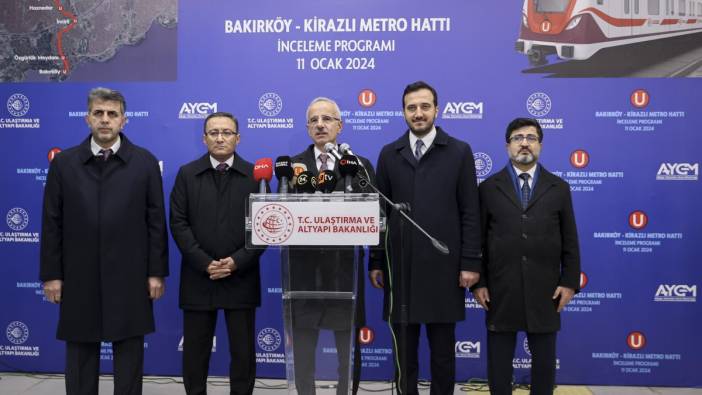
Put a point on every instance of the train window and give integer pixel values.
(626, 6)
(636, 6)
(600, 2)
(551, 5)
(654, 7)
(681, 7)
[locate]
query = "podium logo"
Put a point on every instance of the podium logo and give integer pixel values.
(270, 104)
(273, 223)
(52, 153)
(366, 335)
(678, 171)
(640, 98)
(583, 280)
(538, 104)
(463, 110)
(638, 220)
(579, 159)
(483, 164)
(676, 293)
(18, 105)
(17, 332)
(17, 219)
(196, 110)
(636, 340)
(467, 349)
(269, 339)
(367, 98)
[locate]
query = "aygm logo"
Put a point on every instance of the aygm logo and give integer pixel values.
(463, 110)
(467, 349)
(483, 164)
(579, 159)
(367, 98)
(269, 339)
(196, 110)
(17, 219)
(640, 98)
(636, 340)
(18, 105)
(270, 104)
(676, 293)
(638, 220)
(678, 171)
(17, 332)
(366, 335)
(538, 104)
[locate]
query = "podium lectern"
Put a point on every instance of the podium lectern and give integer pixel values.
(321, 239)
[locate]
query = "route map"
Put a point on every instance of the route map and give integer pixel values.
(48, 40)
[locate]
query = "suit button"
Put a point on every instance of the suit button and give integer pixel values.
(524, 236)
(524, 258)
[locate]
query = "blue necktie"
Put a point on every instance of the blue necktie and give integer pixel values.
(418, 149)
(526, 190)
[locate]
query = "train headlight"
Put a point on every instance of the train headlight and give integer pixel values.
(573, 22)
(524, 21)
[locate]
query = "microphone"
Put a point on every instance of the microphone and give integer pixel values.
(297, 169)
(348, 167)
(306, 183)
(263, 172)
(331, 149)
(326, 181)
(283, 172)
(346, 150)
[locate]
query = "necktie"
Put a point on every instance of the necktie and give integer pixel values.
(105, 154)
(418, 149)
(526, 190)
(323, 159)
(222, 167)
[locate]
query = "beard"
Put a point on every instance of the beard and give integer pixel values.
(524, 158)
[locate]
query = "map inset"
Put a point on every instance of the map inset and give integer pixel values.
(52, 40)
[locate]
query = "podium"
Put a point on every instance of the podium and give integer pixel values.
(320, 238)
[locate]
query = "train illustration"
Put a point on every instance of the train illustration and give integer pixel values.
(577, 29)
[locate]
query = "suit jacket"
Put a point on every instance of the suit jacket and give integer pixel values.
(103, 234)
(325, 269)
(207, 223)
(527, 253)
(443, 195)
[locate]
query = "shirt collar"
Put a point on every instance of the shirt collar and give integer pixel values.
(428, 138)
(531, 171)
(95, 148)
(330, 158)
(215, 162)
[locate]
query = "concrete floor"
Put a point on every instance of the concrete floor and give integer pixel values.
(43, 384)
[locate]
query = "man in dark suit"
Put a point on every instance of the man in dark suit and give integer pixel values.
(435, 174)
(208, 205)
(104, 248)
(531, 259)
(324, 269)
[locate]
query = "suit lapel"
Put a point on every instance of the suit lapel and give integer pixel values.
(543, 184)
(504, 184)
(403, 148)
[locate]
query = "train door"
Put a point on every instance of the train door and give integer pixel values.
(608, 8)
(626, 30)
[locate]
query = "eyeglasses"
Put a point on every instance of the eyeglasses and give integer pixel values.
(213, 134)
(326, 119)
(518, 138)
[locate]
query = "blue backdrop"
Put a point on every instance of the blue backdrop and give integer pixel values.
(629, 147)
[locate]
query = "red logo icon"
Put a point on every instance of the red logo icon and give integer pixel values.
(52, 153)
(638, 220)
(579, 158)
(640, 98)
(545, 26)
(367, 98)
(583, 280)
(636, 340)
(366, 335)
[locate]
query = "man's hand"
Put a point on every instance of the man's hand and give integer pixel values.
(482, 296)
(566, 294)
(52, 290)
(221, 268)
(156, 287)
(376, 278)
(467, 279)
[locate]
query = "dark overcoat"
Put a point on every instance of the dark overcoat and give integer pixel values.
(527, 253)
(207, 223)
(104, 234)
(325, 269)
(442, 192)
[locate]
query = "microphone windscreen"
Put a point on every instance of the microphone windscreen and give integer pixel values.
(263, 169)
(326, 181)
(306, 182)
(283, 167)
(348, 165)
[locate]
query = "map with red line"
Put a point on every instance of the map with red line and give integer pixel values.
(50, 40)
